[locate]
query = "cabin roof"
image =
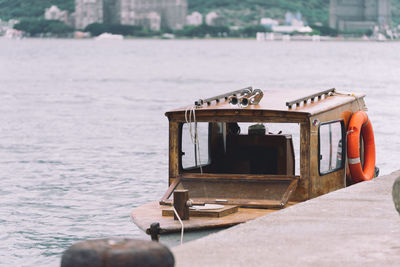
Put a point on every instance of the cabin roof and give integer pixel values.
(275, 101)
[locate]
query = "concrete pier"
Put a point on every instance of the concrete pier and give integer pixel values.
(355, 226)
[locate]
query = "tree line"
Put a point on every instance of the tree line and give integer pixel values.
(40, 27)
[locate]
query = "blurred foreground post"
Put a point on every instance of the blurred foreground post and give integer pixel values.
(396, 194)
(117, 252)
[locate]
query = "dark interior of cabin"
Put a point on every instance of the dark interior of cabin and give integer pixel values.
(230, 151)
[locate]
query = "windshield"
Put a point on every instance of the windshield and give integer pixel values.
(241, 148)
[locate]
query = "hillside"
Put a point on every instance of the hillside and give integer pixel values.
(250, 11)
(237, 12)
(10, 9)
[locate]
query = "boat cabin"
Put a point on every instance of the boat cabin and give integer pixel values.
(247, 153)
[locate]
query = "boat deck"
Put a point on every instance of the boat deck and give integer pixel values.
(147, 214)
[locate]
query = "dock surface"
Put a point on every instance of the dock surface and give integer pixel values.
(354, 226)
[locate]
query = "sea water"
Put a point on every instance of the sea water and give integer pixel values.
(83, 136)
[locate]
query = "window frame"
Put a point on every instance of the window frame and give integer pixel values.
(344, 146)
(180, 147)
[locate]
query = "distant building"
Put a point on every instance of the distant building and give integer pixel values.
(7, 29)
(350, 15)
(290, 29)
(268, 22)
(210, 17)
(294, 20)
(6, 26)
(195, 19)
(288, 18)
(150, 21)
(88, 12)
(111, 11)
(299, 16)
(172, 12)
(54, 13)
(214, 19)
(154, 14)
(297, 23)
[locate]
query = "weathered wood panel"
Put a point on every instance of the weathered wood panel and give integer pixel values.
(302, 191)
(226, 210)
(322, 184)
(174, 146)
(237, 176)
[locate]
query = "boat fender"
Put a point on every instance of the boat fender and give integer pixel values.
(360, 124)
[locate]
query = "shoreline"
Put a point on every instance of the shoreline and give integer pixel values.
(333, 39)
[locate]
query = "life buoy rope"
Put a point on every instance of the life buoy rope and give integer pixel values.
(360, 124)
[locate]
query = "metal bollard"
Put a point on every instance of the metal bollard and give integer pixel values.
(117, 252)
(396, 194)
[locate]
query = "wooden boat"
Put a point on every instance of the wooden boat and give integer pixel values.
(220, 175)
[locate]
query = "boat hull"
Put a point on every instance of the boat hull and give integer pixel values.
(174, 239)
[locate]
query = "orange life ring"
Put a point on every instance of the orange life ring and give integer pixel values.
(360, 124)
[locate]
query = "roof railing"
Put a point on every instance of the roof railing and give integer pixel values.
(218, 98)
(305, 99)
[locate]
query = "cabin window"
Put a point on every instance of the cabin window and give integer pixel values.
(241, 148)
(274, 130)
(331, 147)
(193, 155)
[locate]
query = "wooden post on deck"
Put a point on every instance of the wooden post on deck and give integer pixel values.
(180, 204)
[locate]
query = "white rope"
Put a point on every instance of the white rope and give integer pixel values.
(355, 98)
(179, 218)
(194, 138)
